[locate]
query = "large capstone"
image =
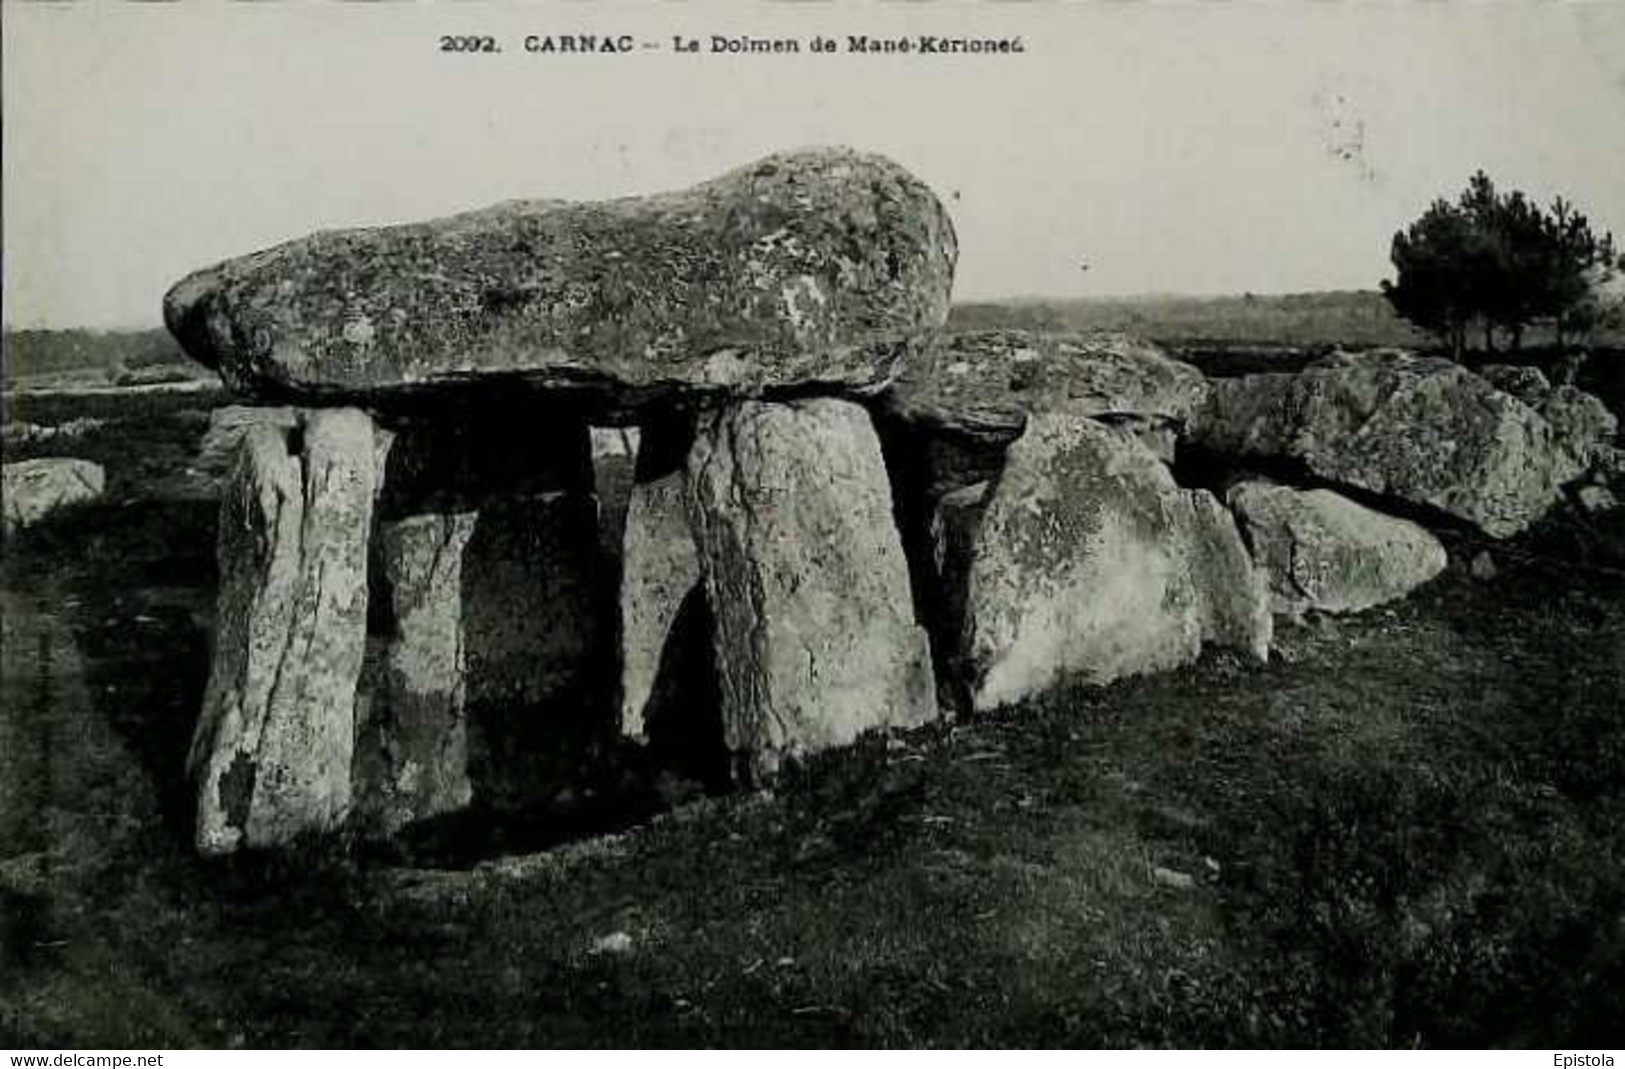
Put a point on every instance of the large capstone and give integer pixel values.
(814, 628)
(272, 753)
(813, 269)
(1090, 563)
(1322, 551)
(1420, 430)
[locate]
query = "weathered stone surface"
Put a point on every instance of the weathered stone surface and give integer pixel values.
(1091, 564)
(1608, 466)
(217, 453)
(814, 628)
(982, 385)
(954, 524)
(411, 758)
(819, 267)
(482, 683)
(1232, 597)
(1422, 430)
(660, 569)
(1594, 498)
(1527, 384)
(1324, 552)
(614, 458)
(1581, 422)
(484, 654)
(34, 489)
(272, 753)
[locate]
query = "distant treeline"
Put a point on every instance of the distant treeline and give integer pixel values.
(1300, 320)
(48, 352)
(1294, 320)
(1349, 317)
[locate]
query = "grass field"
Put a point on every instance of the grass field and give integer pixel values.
(1407, 829)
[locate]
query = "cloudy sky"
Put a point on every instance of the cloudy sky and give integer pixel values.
(1173, 147)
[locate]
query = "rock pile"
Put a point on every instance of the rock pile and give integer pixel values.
(835, 517)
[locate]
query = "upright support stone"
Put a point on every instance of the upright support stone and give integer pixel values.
(412, 747)
(814, 629)
(660, 569)
(485, 678)
(272, 752)
(1090, 563)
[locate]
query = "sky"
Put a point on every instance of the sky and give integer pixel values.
(1196, 147)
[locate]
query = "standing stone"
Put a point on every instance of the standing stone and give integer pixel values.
(660, 569)
(814, 628)
(614, 459)
(1232, 592)
(486, 679)
(217, 452)
(954, 525)
(273, 747)
(1091, 564)
(667, 693)
(412, 748)
(1325, 552)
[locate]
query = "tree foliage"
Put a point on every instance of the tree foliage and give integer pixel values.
(1498, 261)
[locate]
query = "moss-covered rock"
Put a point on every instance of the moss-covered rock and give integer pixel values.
(818, 268)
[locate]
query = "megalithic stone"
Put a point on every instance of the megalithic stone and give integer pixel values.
(659, 573)
(412, 724)
(660, 567)
(1089, 563)
(817, 269)
(485, 681)
(272, 751)
(814, 627)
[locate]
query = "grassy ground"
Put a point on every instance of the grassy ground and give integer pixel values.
(1407, 829)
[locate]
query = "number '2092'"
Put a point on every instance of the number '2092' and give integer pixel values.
(468, 44)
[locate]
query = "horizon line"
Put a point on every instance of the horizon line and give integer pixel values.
(1009, 299)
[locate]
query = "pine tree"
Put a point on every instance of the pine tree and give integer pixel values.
(1500, 262)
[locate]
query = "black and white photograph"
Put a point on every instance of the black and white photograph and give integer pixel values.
(812, 524)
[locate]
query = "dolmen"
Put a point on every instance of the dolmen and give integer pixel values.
(408, 622)
(839, 516)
